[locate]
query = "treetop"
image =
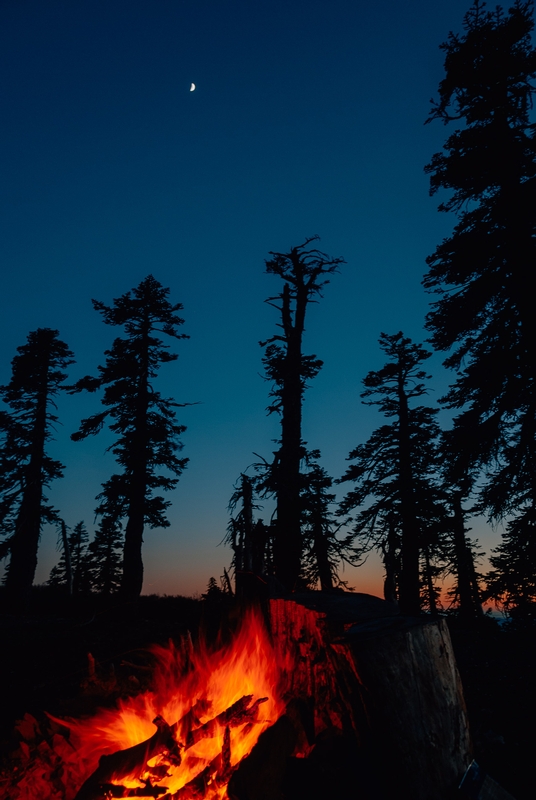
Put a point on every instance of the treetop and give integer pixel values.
(145, 306)
(488, 69)
(401, 373)
(303, 267)
(44, 352)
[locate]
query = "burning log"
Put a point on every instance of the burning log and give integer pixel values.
(132, 762)
(237, 714)
(113, 790)
(196, 789)
(225, 770)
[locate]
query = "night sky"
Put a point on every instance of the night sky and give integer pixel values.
(308, 118)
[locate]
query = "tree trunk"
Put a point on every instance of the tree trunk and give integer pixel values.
(322, 557)
(247, 511)
(107, 571)
(260, 538)
(409, 593)
(132, 579)
(67, 556)
(430, 588)
(389, 563)
(25, 541)
(415, 706)
(288, 543)
(477, 600)
(360, 665)
(470, 607)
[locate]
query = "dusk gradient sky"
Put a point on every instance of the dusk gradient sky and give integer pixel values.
(308, 118)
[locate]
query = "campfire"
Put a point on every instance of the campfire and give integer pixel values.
(232, 720)
(184, 737)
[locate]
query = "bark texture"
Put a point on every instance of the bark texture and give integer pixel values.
(392, 678)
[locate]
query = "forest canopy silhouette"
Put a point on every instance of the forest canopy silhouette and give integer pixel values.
(413, 485)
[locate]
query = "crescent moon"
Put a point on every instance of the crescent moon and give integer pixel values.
(192, 87)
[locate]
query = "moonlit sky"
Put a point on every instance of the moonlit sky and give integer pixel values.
(307, 118)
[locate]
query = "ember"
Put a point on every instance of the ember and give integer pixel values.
(183, 738)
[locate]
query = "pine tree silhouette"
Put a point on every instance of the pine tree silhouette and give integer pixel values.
(400, 506)
(304, 273)
(74, 560)
(483, 273)
(144, 423)
(512, 580)
(26, 469)
(105, 556)
(323, 552)
(459, 476)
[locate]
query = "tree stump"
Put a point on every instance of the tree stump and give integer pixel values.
(391, 680)
(414, 702)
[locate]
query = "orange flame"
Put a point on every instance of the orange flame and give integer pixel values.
(192, 687)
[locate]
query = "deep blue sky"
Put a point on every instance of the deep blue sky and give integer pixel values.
(307, 119)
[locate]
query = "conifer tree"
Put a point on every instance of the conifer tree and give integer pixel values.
(78, 544)
(248, 538)
(397, 501)
(144, 423)
(105, 556)
(241, 529)
(469, 607)
(304, 272)
(458, 476)
(26, 469)
(241, 525)
(511, 582)
(74, 560)
(434, 524)
(67, 557)
(483, 273)
(323, 552)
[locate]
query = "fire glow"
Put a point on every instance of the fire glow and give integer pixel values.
(204, 713)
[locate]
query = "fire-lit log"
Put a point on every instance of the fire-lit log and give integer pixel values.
(415, 706)
(238, 714)
(132, 762)
(196, 789)
(114, 790)
(128, 762)
(261, 774)
(392, 679)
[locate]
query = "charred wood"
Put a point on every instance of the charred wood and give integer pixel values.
(237, 714)
(132, 762)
